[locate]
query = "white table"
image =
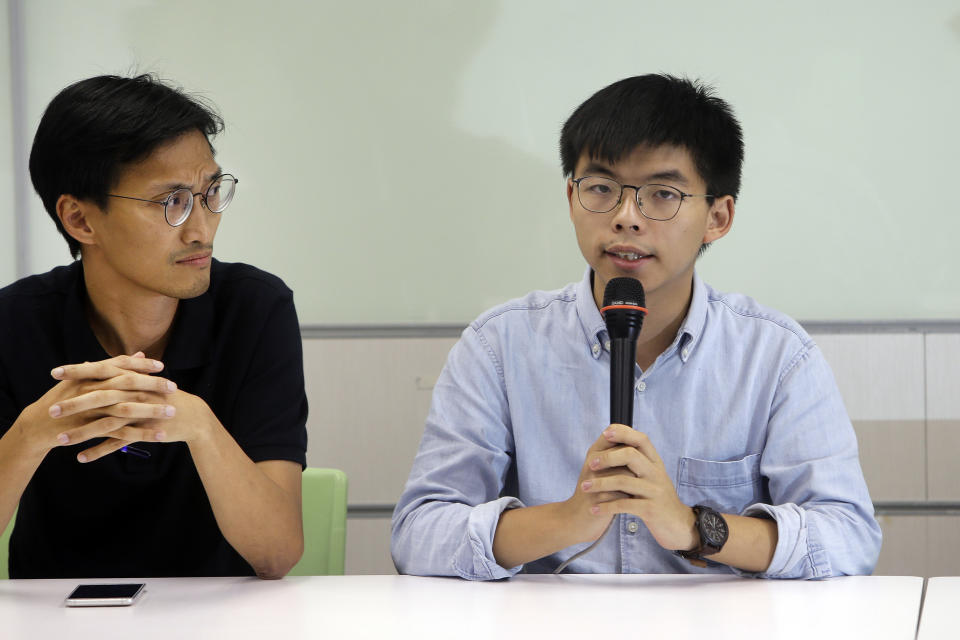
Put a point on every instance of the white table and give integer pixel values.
(530, 607)
(940, 607)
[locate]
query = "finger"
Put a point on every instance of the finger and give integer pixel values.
(108, 446)
(124, 404)
(112, 427)
(603, 496)
(138, 362)
(105, 369)
(621, 456)
(601, 444)
(631, 486)
(621, 434)
(135, 381)
(623, 505)
(95, 429)
(131, 434)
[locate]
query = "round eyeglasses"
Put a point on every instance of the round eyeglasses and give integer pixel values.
(178, 205)
(655, 201)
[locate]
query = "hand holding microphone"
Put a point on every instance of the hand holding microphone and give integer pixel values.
(623, 312)
(645, 490)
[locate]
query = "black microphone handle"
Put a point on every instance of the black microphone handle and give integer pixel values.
(623, 356)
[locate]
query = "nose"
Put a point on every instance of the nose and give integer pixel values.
(627, 214)
(201, 224)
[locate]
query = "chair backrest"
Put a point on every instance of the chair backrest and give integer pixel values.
(5, 547)
(324, 523)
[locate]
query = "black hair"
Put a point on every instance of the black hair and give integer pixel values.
(656, 110)
(95, 127)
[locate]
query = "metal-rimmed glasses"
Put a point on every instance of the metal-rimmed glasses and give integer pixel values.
(655, 201)
(178, 205)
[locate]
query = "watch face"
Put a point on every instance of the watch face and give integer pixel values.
(714, 528)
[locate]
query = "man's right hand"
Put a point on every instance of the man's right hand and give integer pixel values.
(589, 527)
(93, 400)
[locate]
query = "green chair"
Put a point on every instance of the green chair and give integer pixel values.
(5, 547)
(324, 523)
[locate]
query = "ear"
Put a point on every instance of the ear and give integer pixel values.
(719, 219)
(570, 188)
(73, 216)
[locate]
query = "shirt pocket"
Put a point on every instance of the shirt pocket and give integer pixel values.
(728, 487)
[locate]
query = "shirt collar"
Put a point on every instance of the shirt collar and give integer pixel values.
(190, 340)
(692, 327)
(595, 330)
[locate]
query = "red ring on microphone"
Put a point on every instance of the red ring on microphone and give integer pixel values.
(624, 306)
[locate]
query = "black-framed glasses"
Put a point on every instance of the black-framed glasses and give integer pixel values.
(655, 201)
(178, 205)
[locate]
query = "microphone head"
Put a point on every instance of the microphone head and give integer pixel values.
(624, 291)
(623, 308)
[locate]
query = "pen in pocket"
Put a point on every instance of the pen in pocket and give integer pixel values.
(136, 451)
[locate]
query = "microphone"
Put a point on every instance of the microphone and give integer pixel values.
(623, 312)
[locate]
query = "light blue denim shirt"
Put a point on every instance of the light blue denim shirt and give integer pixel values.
(742, 408)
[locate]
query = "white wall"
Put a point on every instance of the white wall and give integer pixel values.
(7, 220)
(398, 160)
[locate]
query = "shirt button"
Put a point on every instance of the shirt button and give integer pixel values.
(632, 527)
(685, 353)
(641, 386)
(596, 349)
(606, 345)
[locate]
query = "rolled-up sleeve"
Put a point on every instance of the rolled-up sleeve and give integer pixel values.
(824, 515)
(446, 518)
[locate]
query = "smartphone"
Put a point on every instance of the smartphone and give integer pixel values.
(105, 595)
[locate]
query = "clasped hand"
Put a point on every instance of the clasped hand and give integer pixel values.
(118, 399)
(623, 473)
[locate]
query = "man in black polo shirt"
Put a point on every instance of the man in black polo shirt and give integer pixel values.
(152, 405)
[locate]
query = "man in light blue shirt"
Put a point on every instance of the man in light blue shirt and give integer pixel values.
(741, 456)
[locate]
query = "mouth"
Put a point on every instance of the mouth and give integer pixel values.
(627, 255)
(196, 260)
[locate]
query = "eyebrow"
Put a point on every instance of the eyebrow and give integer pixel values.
(673, 175)
(173, 186)
(594, 168)
(670, 175)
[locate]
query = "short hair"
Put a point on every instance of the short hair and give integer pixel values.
(656, 110)
(95, 127)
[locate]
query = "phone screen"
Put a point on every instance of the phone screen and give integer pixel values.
(104, 594)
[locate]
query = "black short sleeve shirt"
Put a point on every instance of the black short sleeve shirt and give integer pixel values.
(237, 346)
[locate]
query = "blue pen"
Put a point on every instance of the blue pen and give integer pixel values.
(136, 451)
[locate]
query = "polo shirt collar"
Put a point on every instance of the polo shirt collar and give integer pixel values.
(595, 330)
(190, 340)
(80, 343)
(192, 336)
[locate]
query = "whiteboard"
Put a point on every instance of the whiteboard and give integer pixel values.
(398, 161)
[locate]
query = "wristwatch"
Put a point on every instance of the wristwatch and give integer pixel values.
(713, 535)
